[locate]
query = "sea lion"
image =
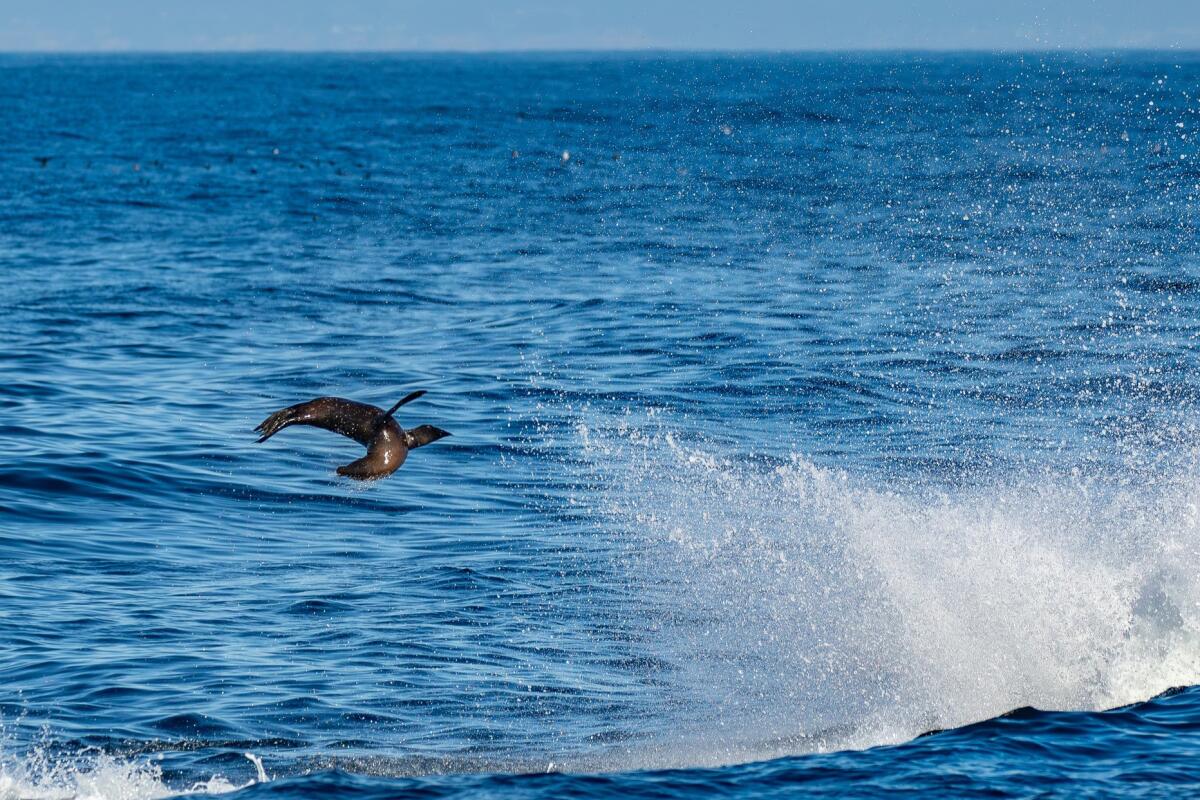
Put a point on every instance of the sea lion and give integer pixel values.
(386, 442)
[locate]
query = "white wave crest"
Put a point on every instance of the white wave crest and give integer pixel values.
(94, 775)
(799, 608)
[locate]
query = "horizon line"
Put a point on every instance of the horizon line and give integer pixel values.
(915, 49)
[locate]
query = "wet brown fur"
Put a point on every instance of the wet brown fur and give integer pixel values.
(386, 442)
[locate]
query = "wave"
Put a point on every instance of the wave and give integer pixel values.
(43, 772)
(798, 608)
(1062, 753)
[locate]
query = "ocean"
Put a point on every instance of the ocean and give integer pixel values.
(822, 424)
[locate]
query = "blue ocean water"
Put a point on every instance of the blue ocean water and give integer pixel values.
(801, 406)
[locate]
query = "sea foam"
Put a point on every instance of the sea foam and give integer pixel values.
(800, 608)
(43, 773)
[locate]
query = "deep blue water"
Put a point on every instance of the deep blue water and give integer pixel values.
(801, 405)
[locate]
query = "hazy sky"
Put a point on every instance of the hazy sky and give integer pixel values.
(599, 24)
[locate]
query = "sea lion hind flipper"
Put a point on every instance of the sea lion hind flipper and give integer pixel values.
(276, 422)
(423, 435)
(300, 414)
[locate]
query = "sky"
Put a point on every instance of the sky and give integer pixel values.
(483, 25)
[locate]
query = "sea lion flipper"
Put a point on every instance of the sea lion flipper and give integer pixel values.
(278, 421)
(332, 413)
(407, 399)
(422, 435)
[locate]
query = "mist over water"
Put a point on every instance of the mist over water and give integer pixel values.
(800, 406)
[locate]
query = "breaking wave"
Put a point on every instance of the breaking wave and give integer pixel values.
(45, 773)
(797, 608)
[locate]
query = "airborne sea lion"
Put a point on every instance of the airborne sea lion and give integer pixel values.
(386, 442)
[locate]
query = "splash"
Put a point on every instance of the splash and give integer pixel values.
(799, 608)
(95, 775)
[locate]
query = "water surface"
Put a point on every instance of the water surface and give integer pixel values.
(801, 405)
